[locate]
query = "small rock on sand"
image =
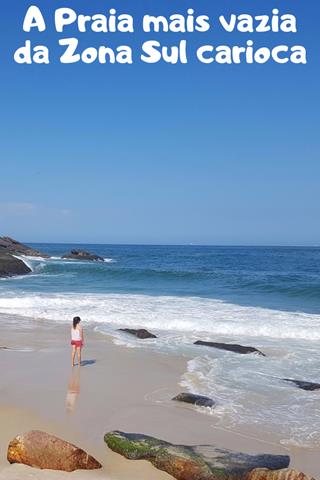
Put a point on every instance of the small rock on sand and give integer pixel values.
(310, 386)
(198, 400)
(230, 347)
(141, 333)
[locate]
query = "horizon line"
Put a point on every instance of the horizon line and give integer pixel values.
(180, 244)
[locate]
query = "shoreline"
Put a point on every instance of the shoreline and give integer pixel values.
(119, 388)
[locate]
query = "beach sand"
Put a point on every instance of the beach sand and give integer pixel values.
(119, 388)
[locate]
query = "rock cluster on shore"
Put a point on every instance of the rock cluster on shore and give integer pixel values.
(40, 450)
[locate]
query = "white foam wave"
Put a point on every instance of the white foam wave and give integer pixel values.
(250, 394)
(190, 314)
(34, 259)
(248, 388)
(25, 261)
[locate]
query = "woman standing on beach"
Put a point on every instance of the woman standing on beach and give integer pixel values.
(76, 340)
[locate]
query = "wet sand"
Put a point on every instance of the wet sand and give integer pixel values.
(118, 388)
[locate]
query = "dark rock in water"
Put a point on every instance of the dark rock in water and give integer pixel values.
(284, 474)
(230, 347)
(9, 245)
(10, 266)
(141, 333)
(198, 400)
(304, 385)
(41, 450)
(191, 463)
(82, 255)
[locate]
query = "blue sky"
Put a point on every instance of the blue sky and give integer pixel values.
(143, 153)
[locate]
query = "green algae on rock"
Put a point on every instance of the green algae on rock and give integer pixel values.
(191, 462)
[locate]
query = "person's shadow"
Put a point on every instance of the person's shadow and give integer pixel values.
(86, 363)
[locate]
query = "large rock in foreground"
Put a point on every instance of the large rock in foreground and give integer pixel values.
(285, 474)
(41, 450)
(10, 266)
(191, 463)
(141, 333)
(230, 347)
(198, 400)
(9, 245)
(82, 255)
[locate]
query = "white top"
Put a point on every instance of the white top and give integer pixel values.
(75, 334)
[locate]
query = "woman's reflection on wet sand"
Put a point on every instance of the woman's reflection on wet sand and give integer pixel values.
(73, 390)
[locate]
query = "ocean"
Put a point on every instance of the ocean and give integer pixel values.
(266, 297)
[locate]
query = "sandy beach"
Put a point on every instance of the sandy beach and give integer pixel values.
(118, 388)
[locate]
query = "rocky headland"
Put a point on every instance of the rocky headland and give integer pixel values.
(9, 245)
(9, 264)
